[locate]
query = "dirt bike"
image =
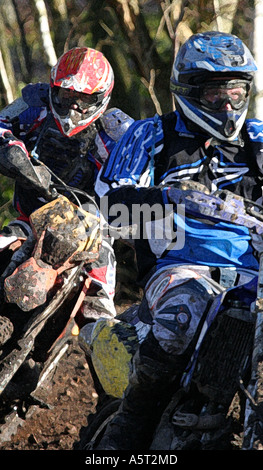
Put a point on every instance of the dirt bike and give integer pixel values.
(217, 401)
(42, 288)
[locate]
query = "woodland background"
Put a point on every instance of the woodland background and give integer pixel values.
(139, 37)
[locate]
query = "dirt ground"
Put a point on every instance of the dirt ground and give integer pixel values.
(71, 399)
(72, 396)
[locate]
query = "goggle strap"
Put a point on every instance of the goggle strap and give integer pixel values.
(183, 89)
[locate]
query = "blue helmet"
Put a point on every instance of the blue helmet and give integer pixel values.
(211, 80)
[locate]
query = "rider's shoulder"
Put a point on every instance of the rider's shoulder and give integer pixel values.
(36, 94)
(255, 129)
(13, 110)
(33, 96)
(115, 123)
(115, 120)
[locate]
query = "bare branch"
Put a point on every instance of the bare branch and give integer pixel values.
(150, 87)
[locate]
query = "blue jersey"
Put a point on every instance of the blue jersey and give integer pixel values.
(156, 153)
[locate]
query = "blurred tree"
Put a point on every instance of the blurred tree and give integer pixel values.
(59, 24)
(45, 34)
(7, 76)
(25, 56)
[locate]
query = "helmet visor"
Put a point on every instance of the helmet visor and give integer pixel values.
(65, 99)
(216, 94)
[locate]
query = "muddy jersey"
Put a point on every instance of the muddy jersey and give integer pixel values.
(157, 152)
(74, 160)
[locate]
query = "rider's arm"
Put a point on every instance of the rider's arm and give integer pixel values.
(16, 163)
(16, 120)
(126, 175)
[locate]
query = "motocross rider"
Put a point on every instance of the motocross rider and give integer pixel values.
(66, 125)
(207, 140)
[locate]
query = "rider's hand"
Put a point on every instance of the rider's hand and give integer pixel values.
(9, 141)
(16, 163)
(45, 184)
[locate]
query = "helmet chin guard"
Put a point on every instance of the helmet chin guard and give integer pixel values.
(224, 126)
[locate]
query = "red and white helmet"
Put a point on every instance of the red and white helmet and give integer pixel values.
(80, 89)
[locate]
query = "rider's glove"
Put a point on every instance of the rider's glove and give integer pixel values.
(10, 148)
(16, 163)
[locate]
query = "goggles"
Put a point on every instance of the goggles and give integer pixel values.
(216, 94)
(65, 98)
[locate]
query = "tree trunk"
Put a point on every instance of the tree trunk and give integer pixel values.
(45, 32)
(25, 55)
(8, 82)
(7, 90)
(60, 24)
